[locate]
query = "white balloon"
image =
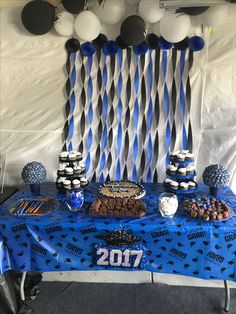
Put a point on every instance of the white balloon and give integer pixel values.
(175, 27)
(110, 11)
(214, 16)
(64, 24)
(87, 26)
(150, 10)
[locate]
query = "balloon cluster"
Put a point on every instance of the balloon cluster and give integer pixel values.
(216, 176)
(174, 26)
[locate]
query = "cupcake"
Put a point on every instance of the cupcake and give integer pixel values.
(69, 171)
(61, 170)
(168, 181)
(67, 184)
(190, 169)
(82, 165)
(76, 183)
(60, 181)
(181, 157)
(173, 155)
(78, 156)
(77, 169)
(183, 186)
(72, 156)
(172, 170)
(182, 171)
(63, 156)
(191, 185)
(185, 151)
(189, 156)
(83, 182)
(174, 185)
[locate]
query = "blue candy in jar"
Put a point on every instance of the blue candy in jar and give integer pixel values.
(74, 199)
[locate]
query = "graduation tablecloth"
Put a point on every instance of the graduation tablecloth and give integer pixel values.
(64, 240)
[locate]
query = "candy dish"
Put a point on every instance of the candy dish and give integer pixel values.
(36, 206)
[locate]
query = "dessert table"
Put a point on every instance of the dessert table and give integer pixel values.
(65, 241)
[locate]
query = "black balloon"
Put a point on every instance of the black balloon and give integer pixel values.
(121, 43)
(183, 44)
(100, 41)
(72, 45)
(38, 17)
(133, 30)
(152, 41)
(75, 6)
(194, 10)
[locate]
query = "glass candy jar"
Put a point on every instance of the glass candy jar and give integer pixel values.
(74, 199)
(168, 204)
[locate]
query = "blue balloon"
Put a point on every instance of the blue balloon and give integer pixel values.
(164, 44)
(110, 48)
(141, 49)
(196, 43)
(87, 49)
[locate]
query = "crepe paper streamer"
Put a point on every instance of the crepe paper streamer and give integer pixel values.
(87, 49)
(167, 107)
(135, 117)
(119, 114)
(90, 111)
(188, 100)
(182, 100)
(173, 98)
(70, 104)
(83, 101)
(104, 116)
(111, 114)
(150, 118)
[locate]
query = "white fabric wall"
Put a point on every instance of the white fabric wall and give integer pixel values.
(33, 98)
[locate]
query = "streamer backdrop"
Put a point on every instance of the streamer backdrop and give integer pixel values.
(130, 111)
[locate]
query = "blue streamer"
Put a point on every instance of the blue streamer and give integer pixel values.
(134, 174)
(119, 138)
(150, 114)
(87, 162)
(136, 113)
(135, 148)
(104, 138)
(118, 171)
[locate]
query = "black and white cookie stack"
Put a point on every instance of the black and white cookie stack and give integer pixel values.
(71, 172)
(181, 172)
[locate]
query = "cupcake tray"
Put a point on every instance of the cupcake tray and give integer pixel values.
(180, 192)
(73, 176)
(182, 162)
(70, 161)
(180, 177)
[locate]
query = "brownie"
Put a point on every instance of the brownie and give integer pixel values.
(117, 207)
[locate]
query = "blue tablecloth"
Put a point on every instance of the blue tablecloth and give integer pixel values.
(64, 241)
